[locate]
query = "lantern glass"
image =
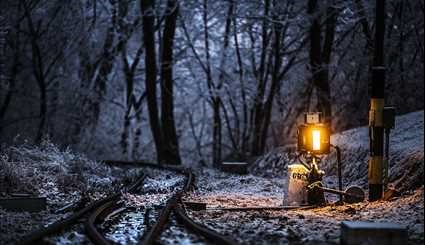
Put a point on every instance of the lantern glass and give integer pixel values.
(316, 139)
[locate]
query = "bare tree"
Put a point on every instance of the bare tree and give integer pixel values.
(6, 79)
(271, 69)
(43, 62)
(94, 73)
(320, 55)
(163, 131)
(171, 146)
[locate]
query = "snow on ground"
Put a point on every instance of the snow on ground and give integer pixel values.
(314, 226)
(227, 190)
(158, 187)
(63, 177)
(406, 153)
(267, 183)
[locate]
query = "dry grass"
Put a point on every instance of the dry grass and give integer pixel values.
(48, 171)
(65, 178)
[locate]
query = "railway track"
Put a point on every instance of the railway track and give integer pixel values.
(63, 224)
(96, 212)
(173, 205)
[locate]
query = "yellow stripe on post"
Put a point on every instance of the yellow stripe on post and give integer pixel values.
(375, 169)
(376, 113)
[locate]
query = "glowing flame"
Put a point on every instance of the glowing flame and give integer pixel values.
(316, 140)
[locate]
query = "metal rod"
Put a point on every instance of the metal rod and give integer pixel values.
(386, 160)
(339, 166)
(209, 234)
(341, 193)
(276, 208)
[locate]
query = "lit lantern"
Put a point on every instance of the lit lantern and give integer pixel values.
(314, 136)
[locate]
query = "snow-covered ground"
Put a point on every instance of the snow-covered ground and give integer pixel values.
(406, 158)
(267, 182)
(313, 226)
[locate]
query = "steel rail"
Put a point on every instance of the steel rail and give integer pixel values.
(155, 231)
(175, 204)
(206, 232)
(90, 225)
(152, 234)
(95, 236)
(62, 224)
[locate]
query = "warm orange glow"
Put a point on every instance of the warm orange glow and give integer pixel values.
(316, 140)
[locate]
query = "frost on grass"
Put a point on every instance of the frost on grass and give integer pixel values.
(63, 177)
(47, 171)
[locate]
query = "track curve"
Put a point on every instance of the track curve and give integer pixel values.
(175, 204)
(60, 225)
(99, 209)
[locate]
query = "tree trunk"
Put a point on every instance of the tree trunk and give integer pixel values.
(38, 71)
(94, 78)
(6, 102)
(43, 113)
(216, 131)
(137, 137)
(320, 58)
(12, 80)
(244, 137)
(170, 142)
(221, 77)
(163, 129)
(213, 92)
(275, 87)
(147, 8)
(324, 84)
(125, 135)
(101, 80)
(262, 76)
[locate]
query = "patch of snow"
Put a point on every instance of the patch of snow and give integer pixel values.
(406, 158)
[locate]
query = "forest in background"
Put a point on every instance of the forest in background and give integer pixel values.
(196, 80)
